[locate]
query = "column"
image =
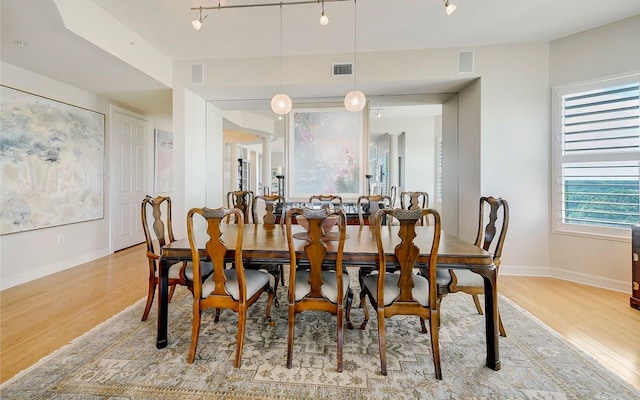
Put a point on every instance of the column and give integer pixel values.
(266, 163)
(394, 166)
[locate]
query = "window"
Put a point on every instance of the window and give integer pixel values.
(597, 157)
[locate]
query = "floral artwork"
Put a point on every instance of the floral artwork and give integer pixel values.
(51, 162)
(325, 153)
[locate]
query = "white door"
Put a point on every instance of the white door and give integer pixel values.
(129, 177)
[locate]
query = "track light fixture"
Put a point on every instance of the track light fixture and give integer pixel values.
(449, 7)
(197, 23)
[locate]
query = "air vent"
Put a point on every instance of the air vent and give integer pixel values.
(342, 69)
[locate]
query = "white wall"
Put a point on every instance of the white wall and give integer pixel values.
(605, 51)
(29, 255)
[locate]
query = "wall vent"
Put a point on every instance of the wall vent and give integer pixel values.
(342, 69)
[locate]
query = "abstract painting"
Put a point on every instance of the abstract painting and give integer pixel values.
(51, 162)
(325, 153)
(164, 161)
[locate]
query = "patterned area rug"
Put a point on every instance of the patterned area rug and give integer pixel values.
(119, 360)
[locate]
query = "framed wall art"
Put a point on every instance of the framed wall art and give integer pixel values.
(51, 162)
(164, 161)
(326, 153)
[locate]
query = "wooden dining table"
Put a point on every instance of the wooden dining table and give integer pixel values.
(269, 244)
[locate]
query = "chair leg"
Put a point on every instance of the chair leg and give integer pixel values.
(242, 322)
(477, 302)
(271, 294)
(292, 317)
(216, 318)
(172, 290)
(382, 342)
(195, 332)
(340, 339)
(150, 295)
(363, 304)
(423, 328)
(277, 273)
(438, 303)
(435, 345)
(503, 333)
(348, 312)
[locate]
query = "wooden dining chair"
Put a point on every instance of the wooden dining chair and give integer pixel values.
(314, 283)
(415, 201)
(273, 206)
(493, 222)
(326, 201)
(158, 210)
(242, 200)
(404, 293)
(234, 288)
(370, 205)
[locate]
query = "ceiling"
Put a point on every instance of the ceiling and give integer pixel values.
(34, 36)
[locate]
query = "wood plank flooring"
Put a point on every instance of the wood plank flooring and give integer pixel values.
(41, 316)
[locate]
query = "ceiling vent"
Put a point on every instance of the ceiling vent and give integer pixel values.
(342, 69)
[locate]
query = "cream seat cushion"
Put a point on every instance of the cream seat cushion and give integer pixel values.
(420, 291)
(329, 287)
(255, 281)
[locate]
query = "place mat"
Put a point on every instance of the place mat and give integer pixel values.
(326, 236)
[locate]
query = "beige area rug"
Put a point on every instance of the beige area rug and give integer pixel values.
(119, 360)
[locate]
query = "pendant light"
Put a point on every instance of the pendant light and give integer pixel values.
(281, 103)
(355, 100)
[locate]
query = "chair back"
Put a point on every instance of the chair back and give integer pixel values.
(493, 223)
(315, 249)
(415, 201)
(216, 250)
(371, 204)
(242, 200)
(406, 253)
(274, 204)
(160, 209)
(326, 201)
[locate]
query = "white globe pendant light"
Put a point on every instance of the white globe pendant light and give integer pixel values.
(355, 101)
(281, 104)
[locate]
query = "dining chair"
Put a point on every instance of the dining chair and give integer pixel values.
(314, 283)
(273, 206)
(490, 237)
(415, 201)
(235, 288)
(404, 293)
(158, 210)
(370, 205)
(326, 201)
(242, 200)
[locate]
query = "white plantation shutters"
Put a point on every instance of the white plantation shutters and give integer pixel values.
(597, 130)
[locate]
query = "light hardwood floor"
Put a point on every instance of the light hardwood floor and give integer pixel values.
(41, 316)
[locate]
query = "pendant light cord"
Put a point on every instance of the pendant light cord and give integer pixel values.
(355, 44)
(280, 47)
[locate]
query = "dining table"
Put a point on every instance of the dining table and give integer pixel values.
(268, 243)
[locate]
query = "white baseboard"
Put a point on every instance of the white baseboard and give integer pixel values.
(51, 269)
(571, 276)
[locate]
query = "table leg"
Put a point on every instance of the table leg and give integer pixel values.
(163, 306)
(491, 316)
